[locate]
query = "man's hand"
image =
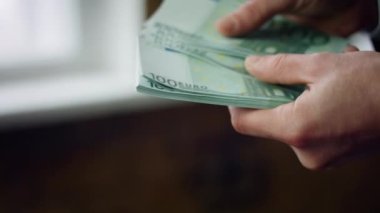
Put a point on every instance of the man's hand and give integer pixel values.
(336, 118)
(339, 17)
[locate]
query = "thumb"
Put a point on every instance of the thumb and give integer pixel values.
(286, 68)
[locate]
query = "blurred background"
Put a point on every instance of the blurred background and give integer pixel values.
(75, 137)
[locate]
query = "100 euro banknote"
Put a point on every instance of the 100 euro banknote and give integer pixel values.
(183, 57)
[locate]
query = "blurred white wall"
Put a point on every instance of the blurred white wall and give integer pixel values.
(38, 31)
(68, 59)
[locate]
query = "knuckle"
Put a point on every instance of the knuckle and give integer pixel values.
(321, 58)
(277, 62)
(301, 134)
(297, 138)
(252, 13)
(240, 21)
(319, 63)
(322, 55)
(245, 18)
(276, 66)
(253, 9)
(259, 10)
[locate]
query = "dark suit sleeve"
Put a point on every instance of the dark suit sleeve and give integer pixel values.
(376, 31)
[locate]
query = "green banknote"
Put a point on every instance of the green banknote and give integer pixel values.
(183, 57)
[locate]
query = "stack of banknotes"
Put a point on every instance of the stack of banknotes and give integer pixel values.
(183, 57)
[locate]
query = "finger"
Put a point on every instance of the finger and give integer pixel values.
(273, 124)
(351, 48)
(252, 15)
(287, 68)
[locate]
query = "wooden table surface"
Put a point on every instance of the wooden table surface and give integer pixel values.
(184, 159)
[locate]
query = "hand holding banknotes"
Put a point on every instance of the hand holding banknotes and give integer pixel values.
(338, 116)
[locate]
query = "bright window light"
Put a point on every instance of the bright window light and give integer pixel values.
(38, 32)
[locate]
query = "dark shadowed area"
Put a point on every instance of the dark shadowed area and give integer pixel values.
(184, 159)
